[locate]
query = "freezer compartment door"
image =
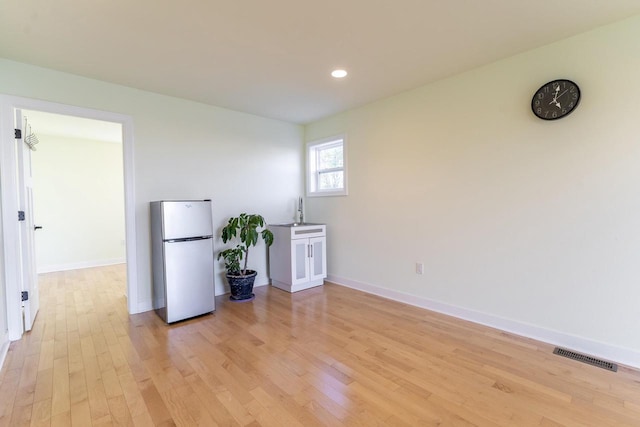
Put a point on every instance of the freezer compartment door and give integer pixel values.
(188, 218)
(189, 279)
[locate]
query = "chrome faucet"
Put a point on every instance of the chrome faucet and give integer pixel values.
(300, 214)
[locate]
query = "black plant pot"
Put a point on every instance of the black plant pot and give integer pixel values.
(241, 285)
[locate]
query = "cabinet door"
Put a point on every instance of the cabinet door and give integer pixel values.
(299, 261)
(318, 259)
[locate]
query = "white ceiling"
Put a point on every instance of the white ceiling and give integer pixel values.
(273, 58)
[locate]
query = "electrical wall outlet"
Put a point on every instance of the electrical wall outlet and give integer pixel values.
(419, 268)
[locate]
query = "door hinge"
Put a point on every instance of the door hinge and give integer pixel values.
(18, 133)
(20, 215)
(25, 295)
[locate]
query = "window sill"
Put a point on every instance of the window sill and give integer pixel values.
(327, 193)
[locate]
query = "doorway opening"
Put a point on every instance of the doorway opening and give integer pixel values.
(13, 263)
(78, 182)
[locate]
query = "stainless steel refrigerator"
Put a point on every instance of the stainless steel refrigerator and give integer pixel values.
(182, 259)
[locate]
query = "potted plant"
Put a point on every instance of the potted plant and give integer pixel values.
(245, 227)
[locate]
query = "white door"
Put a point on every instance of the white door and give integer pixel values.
(300, 261)
(318, 260)
(29, 275)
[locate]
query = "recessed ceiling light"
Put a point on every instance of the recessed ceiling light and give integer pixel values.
(338, 74)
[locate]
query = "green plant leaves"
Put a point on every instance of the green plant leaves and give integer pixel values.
(267, 236)
(232, 258)
(245, 226)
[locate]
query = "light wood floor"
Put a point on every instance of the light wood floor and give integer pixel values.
(328, 356)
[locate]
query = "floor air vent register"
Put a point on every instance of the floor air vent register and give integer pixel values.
(586, 359)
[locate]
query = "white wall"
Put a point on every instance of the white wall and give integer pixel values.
(184, 149)
(528, 225)
(79, 202)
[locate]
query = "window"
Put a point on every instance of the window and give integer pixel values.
(326, 167)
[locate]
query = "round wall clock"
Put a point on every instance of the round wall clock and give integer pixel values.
(555, 99)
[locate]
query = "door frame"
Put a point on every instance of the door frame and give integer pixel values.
(9, 229)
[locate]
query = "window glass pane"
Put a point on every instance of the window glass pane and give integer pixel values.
(327, 167)
(331, 180)
(330, 157)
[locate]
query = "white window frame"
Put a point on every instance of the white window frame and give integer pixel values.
(312, 169)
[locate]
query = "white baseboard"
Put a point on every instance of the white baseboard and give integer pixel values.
(602, 350)
(261, 281)
(144, 306)
(79, 265)
(4, 348)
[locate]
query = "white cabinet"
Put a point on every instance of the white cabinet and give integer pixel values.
(298, 256)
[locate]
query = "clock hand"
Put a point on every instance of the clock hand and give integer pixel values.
(555, 101)
(556, 96)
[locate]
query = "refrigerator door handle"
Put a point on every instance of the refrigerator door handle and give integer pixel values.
(190, 239)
